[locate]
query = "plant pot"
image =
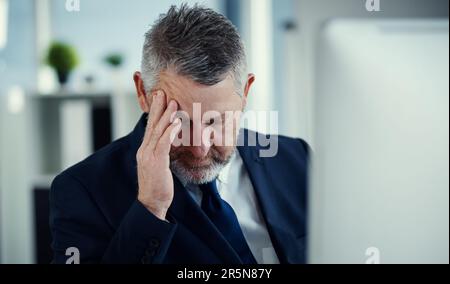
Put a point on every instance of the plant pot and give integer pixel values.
(63, 77)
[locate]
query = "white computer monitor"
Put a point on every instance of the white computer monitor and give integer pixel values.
(380, 176)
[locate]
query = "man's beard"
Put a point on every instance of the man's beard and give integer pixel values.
(198, 174)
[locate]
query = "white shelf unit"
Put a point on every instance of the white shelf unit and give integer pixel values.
(32, 154)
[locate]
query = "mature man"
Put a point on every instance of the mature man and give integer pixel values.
(161, 194)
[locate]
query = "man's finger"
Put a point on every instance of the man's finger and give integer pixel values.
(162, 124)
(156, 110)
(166, 140)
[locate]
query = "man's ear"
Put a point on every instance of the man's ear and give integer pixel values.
(250, 79)
(144, 101)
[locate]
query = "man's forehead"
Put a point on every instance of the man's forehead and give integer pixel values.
(220, 97)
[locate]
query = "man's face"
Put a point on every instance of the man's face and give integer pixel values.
(210, 125)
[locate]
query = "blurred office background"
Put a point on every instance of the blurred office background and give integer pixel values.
(44, 129)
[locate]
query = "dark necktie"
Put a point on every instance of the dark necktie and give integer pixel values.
(224, 218)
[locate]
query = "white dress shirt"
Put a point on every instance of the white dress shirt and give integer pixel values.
(235, 187)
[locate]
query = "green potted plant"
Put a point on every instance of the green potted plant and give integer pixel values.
(115, 60)
(63, 58)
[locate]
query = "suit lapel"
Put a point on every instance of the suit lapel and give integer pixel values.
(265, 189)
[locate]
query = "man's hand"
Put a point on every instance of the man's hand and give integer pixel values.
(154, 175)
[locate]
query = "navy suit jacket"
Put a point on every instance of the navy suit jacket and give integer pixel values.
(94, 208)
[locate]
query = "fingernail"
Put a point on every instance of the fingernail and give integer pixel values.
(177, 121)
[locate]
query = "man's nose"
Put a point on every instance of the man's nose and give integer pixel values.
(204, 136)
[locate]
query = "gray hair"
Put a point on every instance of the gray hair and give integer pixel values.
(196, 42)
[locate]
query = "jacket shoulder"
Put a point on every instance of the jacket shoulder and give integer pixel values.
(284, 144)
